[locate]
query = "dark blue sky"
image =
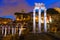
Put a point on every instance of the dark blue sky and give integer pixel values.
(9, 7)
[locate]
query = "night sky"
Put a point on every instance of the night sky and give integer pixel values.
(9, 7)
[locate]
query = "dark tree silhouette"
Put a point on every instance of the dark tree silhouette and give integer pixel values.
(52, 11)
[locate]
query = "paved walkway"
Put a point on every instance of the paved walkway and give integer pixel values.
(31, 36)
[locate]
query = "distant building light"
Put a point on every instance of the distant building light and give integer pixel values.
(5, 22)
(48, 19)
(17, 19)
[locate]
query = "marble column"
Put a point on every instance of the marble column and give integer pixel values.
(34, 22)
(39, 20)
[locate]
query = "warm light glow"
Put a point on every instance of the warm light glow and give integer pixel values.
(24, 18)
(57, 9)
(17, 19)
(5, 22)
(48, 19)
(36, 18)
(28, 18)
